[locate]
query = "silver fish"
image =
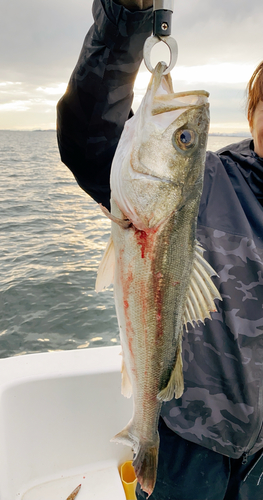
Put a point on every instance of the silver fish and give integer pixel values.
(161, 280)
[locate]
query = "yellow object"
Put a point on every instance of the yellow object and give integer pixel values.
(129, 480)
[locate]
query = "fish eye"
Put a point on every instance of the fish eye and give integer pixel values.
(184, 139)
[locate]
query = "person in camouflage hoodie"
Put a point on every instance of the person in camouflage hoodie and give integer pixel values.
(211, 439)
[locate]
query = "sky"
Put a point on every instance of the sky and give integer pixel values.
(220, 43)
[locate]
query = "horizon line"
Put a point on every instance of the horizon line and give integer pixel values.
(222, 134)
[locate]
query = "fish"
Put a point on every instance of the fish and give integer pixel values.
(74, 493)
(161, 280)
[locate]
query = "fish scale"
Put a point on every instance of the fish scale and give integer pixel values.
(161, 280)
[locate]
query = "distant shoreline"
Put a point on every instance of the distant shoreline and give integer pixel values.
(233, 134)
(212, 134)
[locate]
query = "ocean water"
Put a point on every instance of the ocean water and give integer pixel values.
(52, 236)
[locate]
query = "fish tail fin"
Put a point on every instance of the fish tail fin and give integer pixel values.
(145, 457)
(145, 465)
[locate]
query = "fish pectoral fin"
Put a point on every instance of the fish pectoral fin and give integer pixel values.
(175, 386)
(105, 275)
(145, 465)
(124, 223)
(202, 292)
(126, 387)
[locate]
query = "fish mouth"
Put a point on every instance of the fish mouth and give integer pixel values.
(151, 176)
(179, 101)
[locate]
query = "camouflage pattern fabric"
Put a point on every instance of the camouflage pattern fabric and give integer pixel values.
(92, 112)
(222, 405)
(187, 471)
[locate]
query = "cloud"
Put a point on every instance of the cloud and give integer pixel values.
(25, 106)
(219, 42)
(58, 89)
(15, 106)
(225, 31)
(221, 73)
(41, 40)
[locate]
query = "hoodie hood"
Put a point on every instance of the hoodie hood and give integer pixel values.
(249, 164)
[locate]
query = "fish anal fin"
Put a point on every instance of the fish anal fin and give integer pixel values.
(125, 436)
(105, 275)
(175, 386)
(126, 387)
(202, 292)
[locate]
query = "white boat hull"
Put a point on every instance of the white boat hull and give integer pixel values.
(58, 412)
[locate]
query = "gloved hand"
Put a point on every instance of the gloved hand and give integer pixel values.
(133, 5)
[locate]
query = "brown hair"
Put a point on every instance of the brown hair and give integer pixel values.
(254, 92)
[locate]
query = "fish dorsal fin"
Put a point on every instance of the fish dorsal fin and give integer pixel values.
(202, 291)
(105, 274)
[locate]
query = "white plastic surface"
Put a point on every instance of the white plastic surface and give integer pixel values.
(58, 412)
(98, 483)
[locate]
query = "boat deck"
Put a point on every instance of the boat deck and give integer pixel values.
(58, 412)
(98, 482)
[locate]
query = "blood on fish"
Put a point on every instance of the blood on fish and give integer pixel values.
(142, 240)
(146, 240)
(129, 330)
(144, 304)
(130, 333)
(130, 346)
(159, 303)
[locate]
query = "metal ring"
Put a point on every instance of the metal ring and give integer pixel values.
(149, 44)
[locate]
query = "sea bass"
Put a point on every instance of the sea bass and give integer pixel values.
(161, 280)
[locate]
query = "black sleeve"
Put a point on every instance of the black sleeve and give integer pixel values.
(97, 102)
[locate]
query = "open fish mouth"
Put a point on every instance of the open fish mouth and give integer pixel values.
(165, 102)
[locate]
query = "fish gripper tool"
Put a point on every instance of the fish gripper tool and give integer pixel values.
(162, 23)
